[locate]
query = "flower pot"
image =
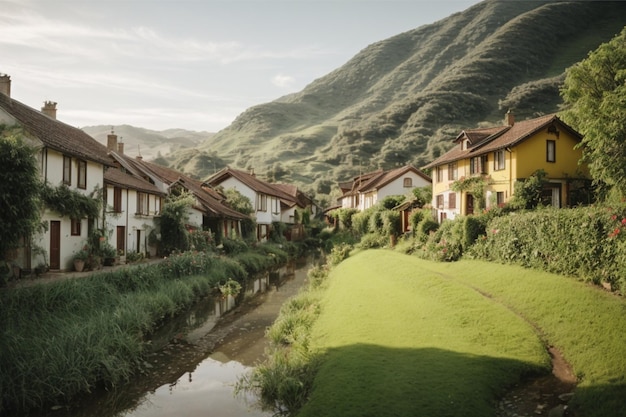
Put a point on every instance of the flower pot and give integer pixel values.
(79, 265)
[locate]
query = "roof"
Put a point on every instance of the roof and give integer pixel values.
(377, 179)
(118, 178)
(501, 137)
(384, 178)
(55, 134)
(251, 181)
(212, 201)
(206, 198)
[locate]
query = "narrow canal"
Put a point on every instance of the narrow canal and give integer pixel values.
(197, 357)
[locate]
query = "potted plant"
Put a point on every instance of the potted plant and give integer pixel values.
(108, 254)
(80, 258)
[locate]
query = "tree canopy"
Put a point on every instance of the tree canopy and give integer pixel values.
(595, 95)
(19, 189)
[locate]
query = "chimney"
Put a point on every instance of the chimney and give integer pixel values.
(509, 118)
(49, 109)
(5, 85)
(120, 148)
(112, 141)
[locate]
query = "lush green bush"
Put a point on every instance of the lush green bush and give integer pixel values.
(339, 253)
(373, 240)
(415, 218)
(234, 246)
(375, 222)
(391, 223)
(425, 227)
(361, 221)
(584, 242)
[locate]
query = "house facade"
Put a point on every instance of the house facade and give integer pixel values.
(209, 211)
(499, 157)
(365, 190)
(67, 157)
(130, 206)
(271, 202)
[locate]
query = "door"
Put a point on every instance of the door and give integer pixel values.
(55, 244)
(138, 248)
(469, 204)
(121, 240)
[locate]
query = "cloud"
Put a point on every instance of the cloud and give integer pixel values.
(283, 81)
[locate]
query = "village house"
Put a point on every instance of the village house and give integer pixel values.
(209, 211)
(131, 204)
(271, 202)
(365, 190)
(502, 155)
(67, 157)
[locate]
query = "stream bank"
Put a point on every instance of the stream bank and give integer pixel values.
(198, 356)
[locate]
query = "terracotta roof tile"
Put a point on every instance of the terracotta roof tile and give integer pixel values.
(55, 134)
(116, 177)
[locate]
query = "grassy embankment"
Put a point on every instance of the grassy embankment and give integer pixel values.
(400, 336)
(62, 339)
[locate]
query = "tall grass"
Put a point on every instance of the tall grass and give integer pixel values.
(65, 338)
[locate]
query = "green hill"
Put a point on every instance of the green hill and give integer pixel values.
(403, 99)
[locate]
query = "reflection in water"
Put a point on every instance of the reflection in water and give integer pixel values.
(206, 392)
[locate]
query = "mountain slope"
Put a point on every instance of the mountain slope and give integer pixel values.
(149, 143)
(401, 100)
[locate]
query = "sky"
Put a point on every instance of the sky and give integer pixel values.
(189, 64)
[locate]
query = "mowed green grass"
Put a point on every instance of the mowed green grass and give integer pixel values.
(587, 324)
(397, 339)
(401, 336)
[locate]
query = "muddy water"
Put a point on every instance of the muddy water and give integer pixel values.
(198, 357)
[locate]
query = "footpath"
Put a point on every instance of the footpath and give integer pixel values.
(55, 276)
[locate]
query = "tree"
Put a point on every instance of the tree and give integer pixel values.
(19, 189)
(174, 216)
(595, 93)
(238, 201)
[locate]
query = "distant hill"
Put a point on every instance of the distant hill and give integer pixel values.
(150, 144)
(403, 99)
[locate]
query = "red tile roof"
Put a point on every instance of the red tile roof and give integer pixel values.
(116, 177)
(501, 137)
(251, 181)
(55, 134)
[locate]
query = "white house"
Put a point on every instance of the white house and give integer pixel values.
(365, 190)
(271, 202)
(67, 157)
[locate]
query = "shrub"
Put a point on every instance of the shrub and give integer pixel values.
(425, 227)
(375, 222)
(339, 253)
(373, 240)
(415, 218)
(391, 223)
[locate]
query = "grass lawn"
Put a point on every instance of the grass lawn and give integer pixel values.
(400, 336)
(398, 340)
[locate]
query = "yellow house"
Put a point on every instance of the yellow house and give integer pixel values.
(499, 156)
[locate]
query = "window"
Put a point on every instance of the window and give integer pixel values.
(275, 206)
(67, 170)
(452, 200)
(82, 174)
(453, 172)
(550, 151)
(478, 165)
(498, 160)
(117, 200)
(440, 201)
(439, 174)
(261, 202)
(500, 198)
(407, 182)
(76, 223)
(142, 204)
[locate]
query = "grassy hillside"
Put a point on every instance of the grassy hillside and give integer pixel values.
(149, 143)
(402, 99)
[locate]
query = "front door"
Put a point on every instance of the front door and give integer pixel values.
(55, 244)
(121, 240)
(469, 204)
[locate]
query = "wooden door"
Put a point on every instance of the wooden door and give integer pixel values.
(469, 205)
(55, 244)
(121, 240)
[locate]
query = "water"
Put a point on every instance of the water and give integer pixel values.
(197, 357)
(207, 391)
